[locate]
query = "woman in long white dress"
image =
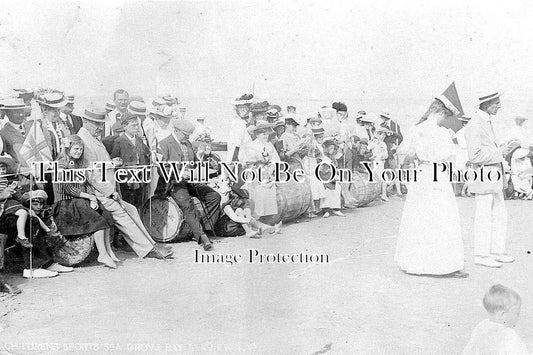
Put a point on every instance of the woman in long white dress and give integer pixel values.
(429, 240)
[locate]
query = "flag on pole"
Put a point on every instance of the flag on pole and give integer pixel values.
(35, 148)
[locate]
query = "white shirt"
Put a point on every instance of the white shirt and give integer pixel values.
(493, 338)
(112, 119)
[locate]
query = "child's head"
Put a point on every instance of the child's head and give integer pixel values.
(503, 305)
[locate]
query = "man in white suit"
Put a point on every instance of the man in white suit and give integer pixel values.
(490, 221)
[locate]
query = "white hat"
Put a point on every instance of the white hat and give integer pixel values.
(489, 97)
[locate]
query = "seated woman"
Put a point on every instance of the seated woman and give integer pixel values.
(259, 154)
(237, 219)
(77, 210)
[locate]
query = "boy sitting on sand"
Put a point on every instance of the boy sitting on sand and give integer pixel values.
(496, 334)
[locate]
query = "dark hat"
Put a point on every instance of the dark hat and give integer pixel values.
(291, 122)
(356, 139)
(95, 114)
(364, 141)
(13, 104)
(184, 126)
(245, 99)
(52, 99)
(339, 106)
(291, 107)
(273, 113)
(278, 123)
(118, 127)
(24, 94)
(275, 107)
(127, 118)
(10, 163)
(330, 141)
(260, 107)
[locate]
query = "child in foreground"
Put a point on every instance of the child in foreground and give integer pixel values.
(496, 334)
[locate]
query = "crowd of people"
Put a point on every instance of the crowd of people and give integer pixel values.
(38, 218)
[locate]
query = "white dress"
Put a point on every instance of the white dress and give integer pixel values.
(429, 240)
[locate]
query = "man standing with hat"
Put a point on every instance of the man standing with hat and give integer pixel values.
(15, 130)
(490, 221)
(393, 139)
(122, 100)
(131, 149)
(178, 148)
(239, 136)
(103, 184)
(73, 122)
(51, 104)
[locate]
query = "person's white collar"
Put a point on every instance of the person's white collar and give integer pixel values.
(483, 115)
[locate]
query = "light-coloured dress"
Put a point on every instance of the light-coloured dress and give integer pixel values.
(521, 180)
(263, 199)
(429, 240)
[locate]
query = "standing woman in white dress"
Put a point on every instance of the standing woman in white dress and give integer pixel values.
(429, 240)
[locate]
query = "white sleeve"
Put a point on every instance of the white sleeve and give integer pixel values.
(514, 344)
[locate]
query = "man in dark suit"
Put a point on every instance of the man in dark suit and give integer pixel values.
(178, 148)
(73, 122)
(392, 140)
(131, 149)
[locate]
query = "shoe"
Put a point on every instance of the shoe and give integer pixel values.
(311, 215)
(109, 262)
(24, 242)
(486, 261)
(502, 258)
(9, 289)
(252, 234)
(384, 198)
(206, 242)
(325, 215)
(338, 213)
(38, 274)
(277, 227)
(163, 246)
(59, 268)
(156, 254)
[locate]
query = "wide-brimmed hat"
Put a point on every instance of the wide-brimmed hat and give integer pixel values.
(95, 114)
(163, 111)
(34, 194)
(52, 99)
(262, 126)
(520, 153)
(262, 106)
(137, 108)
(13, 104)
(170, 100)
(489, 97)
(184, 126)
(246, 99)
(10, 163)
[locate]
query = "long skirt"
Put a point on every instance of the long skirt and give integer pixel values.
(76, 217)
(429, 240)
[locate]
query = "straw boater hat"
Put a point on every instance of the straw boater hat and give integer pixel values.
(385, 114)
(520, 153)
(464, 118)
(366, 118)
(71, 99)
(451, 101)
(486, 98)
(279, 123)
(52, 99)
(13, 104)
(318, 131)
(10, 163)
(360, 114)
(246, 99)
(137, 108)
(110, 106)
(34, 194)
(289, 121)
(381, 129)
(201, 117)
(95, 114)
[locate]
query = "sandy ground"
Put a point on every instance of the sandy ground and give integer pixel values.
(357, 303)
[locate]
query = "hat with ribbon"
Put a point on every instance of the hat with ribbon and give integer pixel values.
(52, 99)
(71, 99)
(385, 114)
(164, 111)
(262, 127)
(490, 97)
(464, 118)
(95, 114)
(278, 123)
(110, 105)
(137, 108)
(318, 131)
(13, 104)
(184, 126)
(260, 107)
(366, 118)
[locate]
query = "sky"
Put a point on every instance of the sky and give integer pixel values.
(380, 54)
